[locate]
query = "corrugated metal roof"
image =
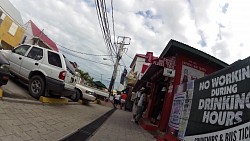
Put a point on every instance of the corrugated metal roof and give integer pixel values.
(11, 11)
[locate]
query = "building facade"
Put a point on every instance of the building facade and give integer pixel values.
(11, 30)
(33, 35)
(185, 63)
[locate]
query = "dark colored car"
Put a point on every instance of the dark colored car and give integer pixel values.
(4, 70)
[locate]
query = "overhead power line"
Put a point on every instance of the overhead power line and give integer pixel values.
(113, 21)
(85, 58)
(104, 25)
(81, 52)
(129, 56)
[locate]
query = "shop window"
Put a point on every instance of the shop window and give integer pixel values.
(13, 29)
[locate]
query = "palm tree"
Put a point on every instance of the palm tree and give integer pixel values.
(85, 76)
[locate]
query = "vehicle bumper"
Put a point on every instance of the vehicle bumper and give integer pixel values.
(56, 87)
(4, 78)
(88, 97)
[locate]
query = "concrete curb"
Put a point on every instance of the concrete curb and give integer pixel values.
(7, 96)
(25, 101)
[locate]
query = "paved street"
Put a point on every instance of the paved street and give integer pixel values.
(119, 127)
(26, 122)
(16, 89)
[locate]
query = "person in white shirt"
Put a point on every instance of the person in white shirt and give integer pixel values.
(117, 99)
(140, 107)
(135, 98)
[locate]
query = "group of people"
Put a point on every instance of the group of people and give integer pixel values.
(120, 99)
(140, 102)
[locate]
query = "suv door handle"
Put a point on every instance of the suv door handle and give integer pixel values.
(36, 64)
(20, 58)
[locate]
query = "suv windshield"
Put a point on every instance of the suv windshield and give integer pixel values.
(70, 67)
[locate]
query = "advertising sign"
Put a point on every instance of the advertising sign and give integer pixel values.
(181, 108)
(167, 62)
(190, 73)
(220, 108)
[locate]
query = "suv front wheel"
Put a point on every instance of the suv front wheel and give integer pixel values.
(36, 86)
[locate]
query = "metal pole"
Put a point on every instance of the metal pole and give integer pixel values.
(101, 77)
(118, 58)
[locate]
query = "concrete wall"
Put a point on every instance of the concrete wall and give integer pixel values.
(138, 66)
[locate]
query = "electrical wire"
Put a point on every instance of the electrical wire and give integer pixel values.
(80, 52)
(104, 25)
(129, 56)
(124, 63)
(85, 58)
(113, 21)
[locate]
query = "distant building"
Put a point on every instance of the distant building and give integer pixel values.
(11, 30)
(139, 65)
(33, 35)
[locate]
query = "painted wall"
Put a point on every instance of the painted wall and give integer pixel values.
(28, 35)
(138, 66)
(6, 36)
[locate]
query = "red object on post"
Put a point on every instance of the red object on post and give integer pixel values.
(144, 68)
(149, 57)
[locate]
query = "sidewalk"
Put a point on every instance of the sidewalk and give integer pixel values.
(119, 127)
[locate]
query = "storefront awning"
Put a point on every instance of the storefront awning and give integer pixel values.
(147, 77)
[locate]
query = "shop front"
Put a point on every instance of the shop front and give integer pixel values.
(187, 63)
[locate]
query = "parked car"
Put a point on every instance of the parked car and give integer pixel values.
(45, 70)
(85, 93)
(4, 70)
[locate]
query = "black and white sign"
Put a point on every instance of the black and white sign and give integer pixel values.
(220, 108)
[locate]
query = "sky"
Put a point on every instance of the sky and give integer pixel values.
(217, 27)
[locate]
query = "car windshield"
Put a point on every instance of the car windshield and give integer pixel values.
(70, 67)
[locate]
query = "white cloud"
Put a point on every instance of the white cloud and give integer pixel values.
(150, 24)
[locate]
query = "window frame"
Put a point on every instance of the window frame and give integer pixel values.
(14, 50)
(54, 63)
(35, 58)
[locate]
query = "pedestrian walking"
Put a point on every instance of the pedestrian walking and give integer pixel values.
(135, 98)
(140, 106)
(123, 100)
(117, 100)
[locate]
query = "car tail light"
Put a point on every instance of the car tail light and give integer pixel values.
(62, 75)
(5, 78)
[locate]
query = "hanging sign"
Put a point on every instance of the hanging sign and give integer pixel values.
(167, 62)
(169, 72)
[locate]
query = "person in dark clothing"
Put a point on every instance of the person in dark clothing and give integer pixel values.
(158, 106)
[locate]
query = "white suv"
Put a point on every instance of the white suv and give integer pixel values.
(48, 72)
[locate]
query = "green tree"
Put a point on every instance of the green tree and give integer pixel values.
(86, 77)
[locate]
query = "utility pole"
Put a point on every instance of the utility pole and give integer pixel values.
(101, 77)
(118, 58)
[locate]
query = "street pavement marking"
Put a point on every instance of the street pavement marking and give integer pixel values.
(53, 100)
